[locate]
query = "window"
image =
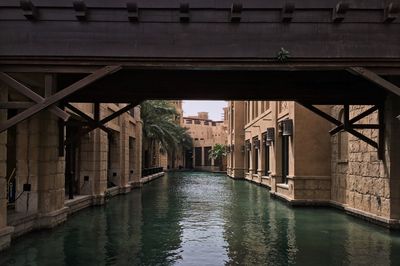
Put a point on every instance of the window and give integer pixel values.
(247, 148)
(207, 160)
(266, 155)
(197, 156)
(256, 146)
(197, 122)
(188, 121)
(285, 158)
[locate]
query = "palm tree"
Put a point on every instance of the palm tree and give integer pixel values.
(159, 128)
(217, 152)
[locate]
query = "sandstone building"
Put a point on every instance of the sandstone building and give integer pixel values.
(205, 133)
(288, 149)
(42, 181)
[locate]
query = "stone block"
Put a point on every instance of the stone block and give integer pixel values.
(350, 198)
(357, 200)
(373, 169)
(386, 188)
(3, 212)
(385, 208)
(309, 194)
(382, 170)
(324, 184)
(375, 205)
(5, 237)
(311, 184)
(366, 203)
(299, 184)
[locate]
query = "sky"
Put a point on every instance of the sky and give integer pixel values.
(214, 108)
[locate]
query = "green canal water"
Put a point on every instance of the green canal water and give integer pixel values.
(194, 218)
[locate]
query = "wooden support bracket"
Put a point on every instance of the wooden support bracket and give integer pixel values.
(133, 12)
(339, 11)
(375, 78)
(349, 125)
(102, 122)
(287, 12)
(236, 12)
(81, 11)
(184, 15)
(391, 12)
(27, 92)
(15, 105)
(29, 10)
(60, 95)
(92, 122)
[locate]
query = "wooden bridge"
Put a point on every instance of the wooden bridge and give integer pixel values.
(125, 51)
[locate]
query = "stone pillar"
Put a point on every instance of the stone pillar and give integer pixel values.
(87, 172)
(202, 156)
(138, 150)
(392, 155)
(251, 161)
(100, 165)
(239, 136)
(124, 154)
(275, 151)
(51, 174)
(5, 231)
(28, 148)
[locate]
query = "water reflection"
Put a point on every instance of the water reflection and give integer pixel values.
(204, 219)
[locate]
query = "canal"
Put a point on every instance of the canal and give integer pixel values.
(195, 218)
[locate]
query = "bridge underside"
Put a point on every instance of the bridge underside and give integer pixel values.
(315, 87)
(314, 52)
(251, 49)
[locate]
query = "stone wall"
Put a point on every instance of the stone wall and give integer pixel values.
(100, 164)
(363, 182)
(27, 166)
(5, 231)
(51, 182)
(3, 164)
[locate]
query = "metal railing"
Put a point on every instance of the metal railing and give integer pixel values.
(151, 171)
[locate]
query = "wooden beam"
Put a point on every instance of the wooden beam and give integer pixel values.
(97, 112)
(92, 122)
(375, 78)
(321, 113)
(24, 90)
(364, 114)
(365, 126)
(15, 105)
(346, 116)
(363, 138)
(355, 119)
(381, 140)
(59, 96)
(104, 121)
(119, 112)
(49, 85)
(346, 125)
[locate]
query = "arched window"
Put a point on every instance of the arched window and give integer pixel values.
(343, 143)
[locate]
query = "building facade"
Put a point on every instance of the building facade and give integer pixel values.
(47, 172)
(176, 159)
(235, 139)
(205, 133)
(288, 149)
